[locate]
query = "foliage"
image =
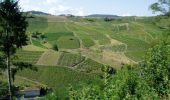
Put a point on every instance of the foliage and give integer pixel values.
(55, 47)
(3, 90)
(13, 35)
(156, 69)
(146, 81)
(108, 19)
(162, 6)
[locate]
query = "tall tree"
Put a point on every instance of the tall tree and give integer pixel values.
(13, 35)
(162, 6)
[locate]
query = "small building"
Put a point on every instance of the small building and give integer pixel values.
(32, 92)
(29, 92)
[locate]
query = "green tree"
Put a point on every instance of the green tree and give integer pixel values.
(156, 69)
(13, 35)
(162, 6)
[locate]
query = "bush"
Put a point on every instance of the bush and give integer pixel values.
(55, 47)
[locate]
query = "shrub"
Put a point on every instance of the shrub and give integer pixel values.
(55, 47)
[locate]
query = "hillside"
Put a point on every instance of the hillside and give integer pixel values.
(102, 15)
(84, 46)
(37, 12)
(120, 41)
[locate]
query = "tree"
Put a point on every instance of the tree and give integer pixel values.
(162, 6)
(13, 35)
(156, 69)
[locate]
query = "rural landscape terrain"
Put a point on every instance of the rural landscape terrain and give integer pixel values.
(68, 51)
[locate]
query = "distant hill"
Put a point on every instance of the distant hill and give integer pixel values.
(102, 15)
(38, 12)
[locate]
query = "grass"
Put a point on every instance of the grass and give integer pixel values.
(59, 78)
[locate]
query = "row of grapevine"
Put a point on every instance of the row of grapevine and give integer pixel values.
(27, 56)
(70, 60)
(114, 48)
(90, 66)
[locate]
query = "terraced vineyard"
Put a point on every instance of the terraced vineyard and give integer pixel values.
(83, 48)
(27, 56)
(89, 66)
(70, 60)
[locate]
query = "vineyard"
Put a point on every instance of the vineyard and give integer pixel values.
(70, 60)
(59, 78)
(27, 56)
(114, 48)
(90, 66)
(75, 49)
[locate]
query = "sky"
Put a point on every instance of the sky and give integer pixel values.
(87, 7)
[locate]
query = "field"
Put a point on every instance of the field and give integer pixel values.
(84, 47)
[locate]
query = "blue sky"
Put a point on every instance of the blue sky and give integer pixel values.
(86, 7)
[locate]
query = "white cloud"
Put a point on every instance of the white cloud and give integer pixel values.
(80, 13)
(126, 14)
(24, 2)
(54, 7)
(52, 2)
